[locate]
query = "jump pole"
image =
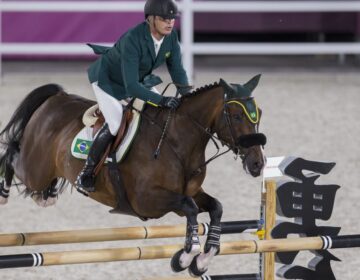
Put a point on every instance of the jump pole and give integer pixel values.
(214, 277)
(268, 212)
(167, 251)
(113, 234)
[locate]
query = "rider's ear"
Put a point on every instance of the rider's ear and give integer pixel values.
(148, 20)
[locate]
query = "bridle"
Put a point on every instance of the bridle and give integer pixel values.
(238, 151)
(235, 144)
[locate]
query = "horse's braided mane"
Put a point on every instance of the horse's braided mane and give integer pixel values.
(202, 89)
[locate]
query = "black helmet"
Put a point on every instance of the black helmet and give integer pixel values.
(163, 8)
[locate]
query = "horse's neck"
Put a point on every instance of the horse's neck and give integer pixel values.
(198, 114)
(206, 106)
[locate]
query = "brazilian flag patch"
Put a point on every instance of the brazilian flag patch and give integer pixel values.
(82, 146)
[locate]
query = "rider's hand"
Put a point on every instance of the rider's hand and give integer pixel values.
(170, 102)
(185, 90)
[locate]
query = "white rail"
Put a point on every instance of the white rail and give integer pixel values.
(72, 6)
(188, 8)
(197, 48)
(196, 6)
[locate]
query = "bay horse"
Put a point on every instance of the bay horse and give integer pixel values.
(36, 149)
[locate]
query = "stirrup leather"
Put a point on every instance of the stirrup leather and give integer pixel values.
(85, 182)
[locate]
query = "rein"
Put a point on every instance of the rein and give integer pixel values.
(163, 133)
(233, 146)
(163, 129)
(213, 138)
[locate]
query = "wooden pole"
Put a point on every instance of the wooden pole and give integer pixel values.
(112, 234)
(167, 251)
(213, 277)
(271, 173)
(270, 220)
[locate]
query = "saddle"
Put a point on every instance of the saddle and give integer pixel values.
(126, 120)
(93, 120)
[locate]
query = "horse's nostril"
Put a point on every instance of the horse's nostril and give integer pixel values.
(257, 165)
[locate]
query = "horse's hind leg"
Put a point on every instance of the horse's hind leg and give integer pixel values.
(4, 193)
(207, 203)
(6, 183)
(48, 196)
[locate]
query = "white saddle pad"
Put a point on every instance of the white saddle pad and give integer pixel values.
(83, 140)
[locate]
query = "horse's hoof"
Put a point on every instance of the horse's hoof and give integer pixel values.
(50, 201)
(40, 201)
(175, 262)
(3, 200)
(194, 271)
(43, 203)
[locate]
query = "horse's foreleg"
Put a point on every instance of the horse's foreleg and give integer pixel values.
(212, 247)
(183, 258)
(161, 201)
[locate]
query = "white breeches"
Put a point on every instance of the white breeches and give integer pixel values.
(110, 107)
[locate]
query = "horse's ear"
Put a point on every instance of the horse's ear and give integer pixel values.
(252, 84)
(228, 89)
(241, 91)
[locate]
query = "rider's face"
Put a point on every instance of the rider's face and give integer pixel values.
(163, 26)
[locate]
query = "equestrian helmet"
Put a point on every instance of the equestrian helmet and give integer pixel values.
(164, 8)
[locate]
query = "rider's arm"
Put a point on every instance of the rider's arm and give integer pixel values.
(130, 60)
(174, 62)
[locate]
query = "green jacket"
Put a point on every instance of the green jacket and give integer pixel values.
(120, 70)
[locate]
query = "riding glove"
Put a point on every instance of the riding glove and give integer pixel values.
(170, 102)
(184, 90)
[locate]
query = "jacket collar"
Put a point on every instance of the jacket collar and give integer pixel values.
(149, 41)
(161, 52)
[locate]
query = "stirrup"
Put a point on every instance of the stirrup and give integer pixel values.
(81, 188)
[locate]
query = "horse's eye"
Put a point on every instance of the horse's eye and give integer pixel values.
(237, 117)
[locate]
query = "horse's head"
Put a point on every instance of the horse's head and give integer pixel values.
(238, 125)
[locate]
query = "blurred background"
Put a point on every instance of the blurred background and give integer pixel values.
(308, 53)
(323, 32)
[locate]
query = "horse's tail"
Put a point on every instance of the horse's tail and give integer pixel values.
(12, 133)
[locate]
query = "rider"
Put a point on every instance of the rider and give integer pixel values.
(124, 71)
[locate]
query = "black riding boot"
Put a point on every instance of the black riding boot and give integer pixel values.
(85, 181)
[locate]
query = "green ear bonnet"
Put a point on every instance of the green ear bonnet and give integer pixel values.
(242, 95)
